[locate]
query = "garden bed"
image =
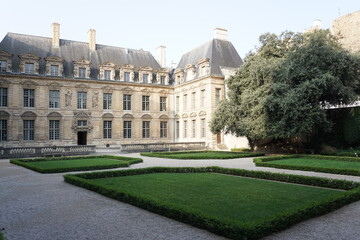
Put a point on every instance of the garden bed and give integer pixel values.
(202, 155)
(235, 203)
(81, 163)
(316, 163)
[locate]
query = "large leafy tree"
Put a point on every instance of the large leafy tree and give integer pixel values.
(281, 90)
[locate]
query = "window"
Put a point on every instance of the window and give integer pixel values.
(29, 68)
(203, 128)
(202, 100)
(177, 129)
(193, 100)
(162, 80)
(145, 78)
(29, 129)
(126, 77)
(162, 103)
(82, 72)
(54, 70)
(82, 123)
(3, 65)
(193, 128)
(3, 130)
(163, 129)
(107, 129)
(146, 129)
(127, 129)
(54, 99)
(29, 97)
(217, 95)
(107, 100)
(107, 74)
(127, 102)
(185, 103)
(54, 129)
(81, 100)
(145, 103)
(3, 97)
(185, 129)
(177, 103)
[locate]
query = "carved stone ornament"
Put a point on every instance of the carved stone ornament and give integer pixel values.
(68, 97)
(4, 115)
(95, 99)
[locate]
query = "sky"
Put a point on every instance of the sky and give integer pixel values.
(179, 25)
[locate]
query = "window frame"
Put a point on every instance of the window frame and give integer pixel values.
(107, 129)
(3, 130)
(28, 130)
(28, 97)
(81, 100)
(145, 129)
(163, 129)
(3, 66)
(54, 129)
(127, 102)
(4, 92)
(28, 69)
(107, 101)
(145, 103)
(163, 101)
(127, 127)
(52, 72)
(54, 101)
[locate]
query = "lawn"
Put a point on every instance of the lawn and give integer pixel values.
(235, 203)
(202, 155)
(67, 164)
(317, 163)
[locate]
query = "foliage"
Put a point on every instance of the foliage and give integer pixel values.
(80, 163)
(316, 163)
(229, 228)
(281, 91)
(202, 155)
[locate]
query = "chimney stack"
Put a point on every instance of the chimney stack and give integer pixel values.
(161, 56)
(55, 27)
(92, 39)
(221, 33)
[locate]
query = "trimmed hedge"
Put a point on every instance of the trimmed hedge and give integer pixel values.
(227, 155)
(124, 162)
(234, 230)
(266, 162)
(240, 150)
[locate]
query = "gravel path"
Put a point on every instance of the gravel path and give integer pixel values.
(43, 206)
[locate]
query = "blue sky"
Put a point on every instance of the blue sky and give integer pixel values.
(179, 25)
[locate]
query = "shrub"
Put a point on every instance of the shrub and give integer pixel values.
(202, 155)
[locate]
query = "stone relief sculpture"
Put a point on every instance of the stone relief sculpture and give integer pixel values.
(68, 96)
(95, 99)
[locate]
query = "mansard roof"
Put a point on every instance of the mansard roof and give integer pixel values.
(220, 52)
(70, 51)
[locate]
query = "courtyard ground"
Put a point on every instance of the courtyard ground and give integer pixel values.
(43, 206)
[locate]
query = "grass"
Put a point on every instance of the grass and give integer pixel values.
(310, 162)
(67, 164)
(227, 198)
(317, 163)
(235, 203)
(202, 155)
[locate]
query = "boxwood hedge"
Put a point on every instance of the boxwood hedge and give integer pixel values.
(231, 230)
(266, 162)
(124, 162)
(199, 155)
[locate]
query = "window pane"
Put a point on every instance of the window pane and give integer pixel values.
(146, 129)
(127, 129)
(54, 70)
(107, 100)
(163, 129)
(54, 99)
(54, 129)
(162, 103)
(3, 65)
(29, 97)
(126, 102)
(82, 72)
(3, 97)
(126, 77)
(29, 68)
(28, 126)
(145, 78)
(3, 130)
(107, 74)
(82, 98)
(145, 103)
(107, 129)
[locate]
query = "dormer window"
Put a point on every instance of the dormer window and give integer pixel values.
(54, 66)
(29, 68)
(204, 66)
(107, 71)
(82, 72)
(145, 78)
(162, 76)
(126, 77)
(3, 65)
(179, 76)
(162, 80)
(82, 69)
(54, 70)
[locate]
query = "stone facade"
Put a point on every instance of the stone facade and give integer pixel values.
(346, 28)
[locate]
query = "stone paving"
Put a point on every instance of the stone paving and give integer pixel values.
(43, 206)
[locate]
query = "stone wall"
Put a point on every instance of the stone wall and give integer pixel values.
(347, 28)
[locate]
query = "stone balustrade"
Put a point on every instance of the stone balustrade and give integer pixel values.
(151, 147)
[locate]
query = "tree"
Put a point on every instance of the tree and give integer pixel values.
(318, 74)
(282, 89)
(243, 112)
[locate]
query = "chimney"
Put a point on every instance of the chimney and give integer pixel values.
(92, 39)
(221, 33)
(161, 56)
(55, 27)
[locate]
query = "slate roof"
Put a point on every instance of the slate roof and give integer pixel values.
(70, 51)
(220, 52)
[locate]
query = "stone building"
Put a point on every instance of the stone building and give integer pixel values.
(61, 92)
